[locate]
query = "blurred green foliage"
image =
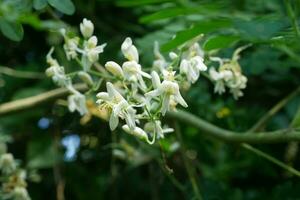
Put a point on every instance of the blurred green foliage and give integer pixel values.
(114, 166)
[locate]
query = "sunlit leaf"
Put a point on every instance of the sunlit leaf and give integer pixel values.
(172, 12)
(220, 41)
(200, 28)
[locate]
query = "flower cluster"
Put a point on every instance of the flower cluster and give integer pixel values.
(137, 97)
(229, 74)
(12, 177)
(141, 99)
(86, 52)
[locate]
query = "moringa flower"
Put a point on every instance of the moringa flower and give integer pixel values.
(92, 50)
(7, 163)
(133, 73)
(168, 89)
(120, 108)
(77, 101)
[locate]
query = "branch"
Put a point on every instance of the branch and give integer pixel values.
(30, 102)
(275, 109)
(21, 74)
(284, 135)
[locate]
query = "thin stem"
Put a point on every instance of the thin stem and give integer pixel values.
(190, 170)
(292, 17)
(275, 109)
(21, 74)
(102, 75)
(271, 159)
(278, 136)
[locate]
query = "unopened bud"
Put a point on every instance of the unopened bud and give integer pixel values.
(86, 28)
(114, 68)
(85, 77)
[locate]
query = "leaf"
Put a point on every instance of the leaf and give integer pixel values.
(200, 28)
(220, 41)
(11, 30)
(259, 29)
(130, 3)
(39, 4)
(174, 12)
(65, 6)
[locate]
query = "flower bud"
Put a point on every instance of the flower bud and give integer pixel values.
(92, 42)
(86, 28)
(129, 50)
(155, 79)
(138, 132)
(114, 68)
(85, 77)
(173, 55)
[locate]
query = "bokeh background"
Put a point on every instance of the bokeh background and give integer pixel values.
(89, 161)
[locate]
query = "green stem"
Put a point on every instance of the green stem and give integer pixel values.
(278, 136)
(261, 123)
(271, 159)
(21, 74)
(292, 17)
(190, 170)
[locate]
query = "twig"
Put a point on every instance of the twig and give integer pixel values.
(21, 74)
(272, 159)
(30, 102)
(190, 170)
(275, 109)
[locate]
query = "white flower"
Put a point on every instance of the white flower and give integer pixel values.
(192, 67)
(133, 72)
(77, 101)
(92, 50)
(86, 28)
(155, 126)
(7, 163)
(56, 71)
(114, 68)
(236, 85)
(167, 89)
(20, 193)
(70, 47)
(129, 50)
(120, 107)
(218, 78)
(138, 132)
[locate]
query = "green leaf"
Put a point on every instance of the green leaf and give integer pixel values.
(296, 121)
(220, 41)
(11, 30)
(130, 3)
(39, 4)
(65, 6)
(200, 28)
(175, 12)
